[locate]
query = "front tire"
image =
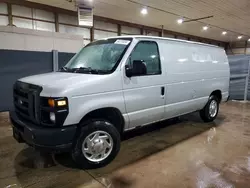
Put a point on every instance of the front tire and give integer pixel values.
(210, 111)
(97, 145)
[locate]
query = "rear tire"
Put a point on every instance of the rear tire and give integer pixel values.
(210, 111)
(97, 144)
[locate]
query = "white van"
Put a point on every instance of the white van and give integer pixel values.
(114, 85)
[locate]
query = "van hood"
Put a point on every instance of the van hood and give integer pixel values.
(59, 84)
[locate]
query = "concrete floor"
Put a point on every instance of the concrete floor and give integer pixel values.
(184, 153)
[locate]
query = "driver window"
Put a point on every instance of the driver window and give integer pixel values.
(148, 52)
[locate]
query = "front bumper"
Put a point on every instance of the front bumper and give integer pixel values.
(43, 138)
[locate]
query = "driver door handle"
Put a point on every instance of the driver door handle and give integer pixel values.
(162, 91)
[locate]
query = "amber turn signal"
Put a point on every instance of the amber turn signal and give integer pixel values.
(51, 102)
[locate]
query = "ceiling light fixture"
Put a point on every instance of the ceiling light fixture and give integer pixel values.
(224, 33)
(248, 40)
(205, 28)
(240, 37)
(180, 21)
(144, 11)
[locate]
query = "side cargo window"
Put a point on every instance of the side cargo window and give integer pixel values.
(147, 51)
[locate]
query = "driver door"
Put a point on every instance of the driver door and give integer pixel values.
(145, 94)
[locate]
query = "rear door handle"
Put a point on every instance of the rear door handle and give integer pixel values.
(162, 91)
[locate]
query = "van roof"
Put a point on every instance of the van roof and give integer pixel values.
(164, 38)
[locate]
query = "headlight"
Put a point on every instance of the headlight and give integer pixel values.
(57, 102)
(54, 111)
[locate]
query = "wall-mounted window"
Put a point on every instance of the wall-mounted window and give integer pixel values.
(69, 24)
(84, 32)
(43, 15)
(25, 17)
(125, 30)
(100, 25)
(98, 34)
(3, 14)
(104, 30)
(67, 19)
(168, 35)
(180, 37)
(23, 23)
(151, 33)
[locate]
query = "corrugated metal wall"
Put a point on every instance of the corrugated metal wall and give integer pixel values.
(63, 58)
(239, 65)
(16, 64)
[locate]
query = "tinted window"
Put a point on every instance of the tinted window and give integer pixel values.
(148, 52)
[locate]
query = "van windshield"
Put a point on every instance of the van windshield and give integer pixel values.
(100, 57)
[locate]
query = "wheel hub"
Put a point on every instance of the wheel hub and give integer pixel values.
(213, 108)
(97, 146)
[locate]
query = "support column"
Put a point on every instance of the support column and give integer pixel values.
(162, 31)
(56, 22)
(10, 17)
(55, 60)
(119, 30)
(92, 34)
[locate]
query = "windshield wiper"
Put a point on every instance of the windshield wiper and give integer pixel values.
(89, 70)
(64, 69)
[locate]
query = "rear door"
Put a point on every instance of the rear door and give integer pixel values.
(145, 95)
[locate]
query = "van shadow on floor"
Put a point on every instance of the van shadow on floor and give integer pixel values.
(143, 142)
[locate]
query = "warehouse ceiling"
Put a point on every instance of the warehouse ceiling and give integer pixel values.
(228, 15)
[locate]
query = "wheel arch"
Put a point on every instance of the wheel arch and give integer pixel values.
(111, 114)
(218, 94)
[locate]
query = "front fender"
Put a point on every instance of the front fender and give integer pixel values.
(79, 106)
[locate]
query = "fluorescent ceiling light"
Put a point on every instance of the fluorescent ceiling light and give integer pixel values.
(240, 37)
(224, 33)
(144, 11)
(180, 21)
(205, 28)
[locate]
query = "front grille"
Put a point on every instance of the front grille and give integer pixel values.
(26, 101)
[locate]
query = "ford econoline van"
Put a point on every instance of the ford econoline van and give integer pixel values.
(114, 85)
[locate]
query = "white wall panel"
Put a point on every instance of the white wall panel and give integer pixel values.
(85, 32)
(62, 18)
(43, 15)
(11, 41)
(37, 43)
(22, 23)
(238, 50)
(21, 11)
(105, 26)
(31, 40)
(44, 26)
(3, 8)
(4, 20)
(130, 30)
(248, 51)
(67, 45)
(103, 34)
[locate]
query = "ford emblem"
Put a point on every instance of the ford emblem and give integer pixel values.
(20, 102)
